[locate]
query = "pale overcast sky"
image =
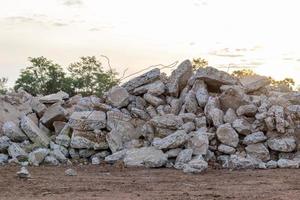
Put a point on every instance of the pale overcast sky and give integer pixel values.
(134, 34)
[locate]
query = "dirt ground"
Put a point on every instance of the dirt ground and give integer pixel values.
(94, 182)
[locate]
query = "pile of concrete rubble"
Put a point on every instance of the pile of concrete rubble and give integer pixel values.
(189, 121)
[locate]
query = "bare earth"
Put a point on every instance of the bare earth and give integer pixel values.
(94, 182)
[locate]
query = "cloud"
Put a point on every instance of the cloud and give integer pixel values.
(72, 2)
(101, 28)
(39, 20)
(226, 52)
(59, 24)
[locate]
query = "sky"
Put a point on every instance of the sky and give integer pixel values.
(259, 34)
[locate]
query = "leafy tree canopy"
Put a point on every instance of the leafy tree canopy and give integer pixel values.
(3, 82)
(89, 77)
(41, 77)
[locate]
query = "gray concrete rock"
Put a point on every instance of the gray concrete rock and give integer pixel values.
(200, 122)
(179, 78)
(122, 130)
(217, 116)
(153, 100)
(88, 140)
(183, 157)
(172, 141)
(54, 98)
(242, 126)
(56, 153)
(215, 78)
(173, 153)
(254, 82)
(13, 132)
(258, 151)
(88, 120)
(283, 144)
(145, 156)
(239, 162)
(118, 97)
(233, 97)
(156, 88)
(201, 92)
(143, 79)
(51, 160)
(230, 116)
(37, 106)
(4, 143)
(37, 156)
(168, 121)
(188, 127)
(247, 110)
(196, 165)
(16, 152)
(190, 102)
(198, 142)
(227, 135)
(63, 140)
(3, 159)
(226, 149)
(254, 138)
(34, 133)
(119, 155)
(285, 163)
(54, 113)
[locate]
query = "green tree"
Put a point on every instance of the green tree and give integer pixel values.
(42, 77)
(199, 63)
(3, 82)
(89, 77)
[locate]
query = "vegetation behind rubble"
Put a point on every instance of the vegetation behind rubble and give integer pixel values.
(88, 77)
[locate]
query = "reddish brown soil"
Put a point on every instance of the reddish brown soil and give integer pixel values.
(94, 182)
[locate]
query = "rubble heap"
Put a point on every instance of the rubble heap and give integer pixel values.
(185, 121)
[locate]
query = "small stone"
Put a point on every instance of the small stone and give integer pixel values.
(51, 160)
(23, 173)
(70, 172)
(272, 164)
(96, 161)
